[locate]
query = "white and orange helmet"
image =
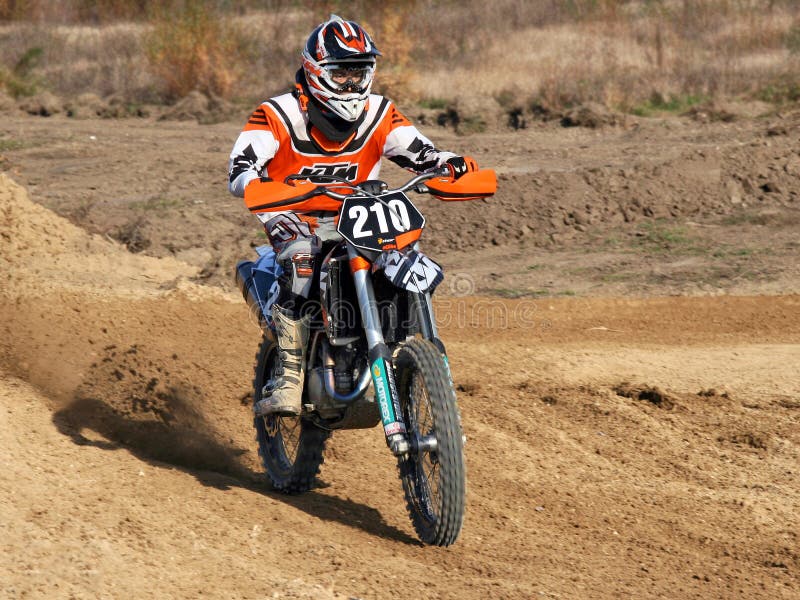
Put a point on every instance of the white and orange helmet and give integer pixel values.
(339, 63)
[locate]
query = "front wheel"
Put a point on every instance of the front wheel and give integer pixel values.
(290, 447)
(433, 473)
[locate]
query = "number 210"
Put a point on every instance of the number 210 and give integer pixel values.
(398, 213)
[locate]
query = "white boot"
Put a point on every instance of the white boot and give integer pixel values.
(287, 388)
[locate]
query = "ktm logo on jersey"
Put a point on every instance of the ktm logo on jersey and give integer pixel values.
(344, 170)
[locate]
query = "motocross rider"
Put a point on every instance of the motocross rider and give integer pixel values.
(329, 124)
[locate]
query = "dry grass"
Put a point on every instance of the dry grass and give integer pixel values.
(76, 59)
(626, 58)
(176, 48)
(630, 55)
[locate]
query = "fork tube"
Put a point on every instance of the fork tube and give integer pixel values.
(380, 358)
(366, 299)
(422, 302)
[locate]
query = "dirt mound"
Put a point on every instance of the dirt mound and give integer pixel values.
(41, 252)
(83, 106)
(707, 113)
(87, 106)
(7, 103)
(651, 394)
(492, 115)
(196, 106)
(125, 397)
(43, 104)
(612, 194)
(549, 206)
(591, 115)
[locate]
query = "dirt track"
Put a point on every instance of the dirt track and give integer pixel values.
(617, 447)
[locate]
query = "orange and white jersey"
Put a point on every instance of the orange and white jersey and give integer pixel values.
(279, 141)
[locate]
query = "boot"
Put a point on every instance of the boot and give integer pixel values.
(283, 395)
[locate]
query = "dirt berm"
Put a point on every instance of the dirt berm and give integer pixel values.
(616, 447)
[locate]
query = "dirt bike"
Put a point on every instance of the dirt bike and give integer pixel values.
(373, 326)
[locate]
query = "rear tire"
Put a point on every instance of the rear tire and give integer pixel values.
(290, 447)
(434, 479)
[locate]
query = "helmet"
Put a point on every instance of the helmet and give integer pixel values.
(339, 62)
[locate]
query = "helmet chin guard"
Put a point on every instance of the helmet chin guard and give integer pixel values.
(338, 44)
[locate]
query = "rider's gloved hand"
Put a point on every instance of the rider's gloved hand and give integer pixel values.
(461, 165)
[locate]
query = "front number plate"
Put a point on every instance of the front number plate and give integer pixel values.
(374, 225)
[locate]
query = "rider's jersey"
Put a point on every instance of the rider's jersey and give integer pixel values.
(279, 141)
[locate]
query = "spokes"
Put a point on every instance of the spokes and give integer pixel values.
(287, 430)
(290, 432)
(421, 405)
(431, 474)
(422, 425)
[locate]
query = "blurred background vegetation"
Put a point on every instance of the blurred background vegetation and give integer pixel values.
(636, 56)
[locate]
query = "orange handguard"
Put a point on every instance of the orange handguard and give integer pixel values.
(273, 196)
(470, 186)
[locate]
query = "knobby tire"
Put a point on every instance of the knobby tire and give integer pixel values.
(290, 447)
(428, 404)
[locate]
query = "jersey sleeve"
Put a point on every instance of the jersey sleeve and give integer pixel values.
(254, 148)
(408, 148)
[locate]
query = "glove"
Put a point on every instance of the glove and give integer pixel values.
(460, 165)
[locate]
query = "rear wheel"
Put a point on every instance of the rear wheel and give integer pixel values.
(290, 447)
(433, 473)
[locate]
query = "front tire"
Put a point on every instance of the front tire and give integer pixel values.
(290, 447)
(433, 473)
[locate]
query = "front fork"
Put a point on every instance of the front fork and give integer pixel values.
(380, 358)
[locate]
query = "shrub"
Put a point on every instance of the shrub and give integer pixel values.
(781, 91)
(21, 80)
(195, 47)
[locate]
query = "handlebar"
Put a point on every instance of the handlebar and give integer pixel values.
(327, 192)
(359, 190)
(326, 182)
